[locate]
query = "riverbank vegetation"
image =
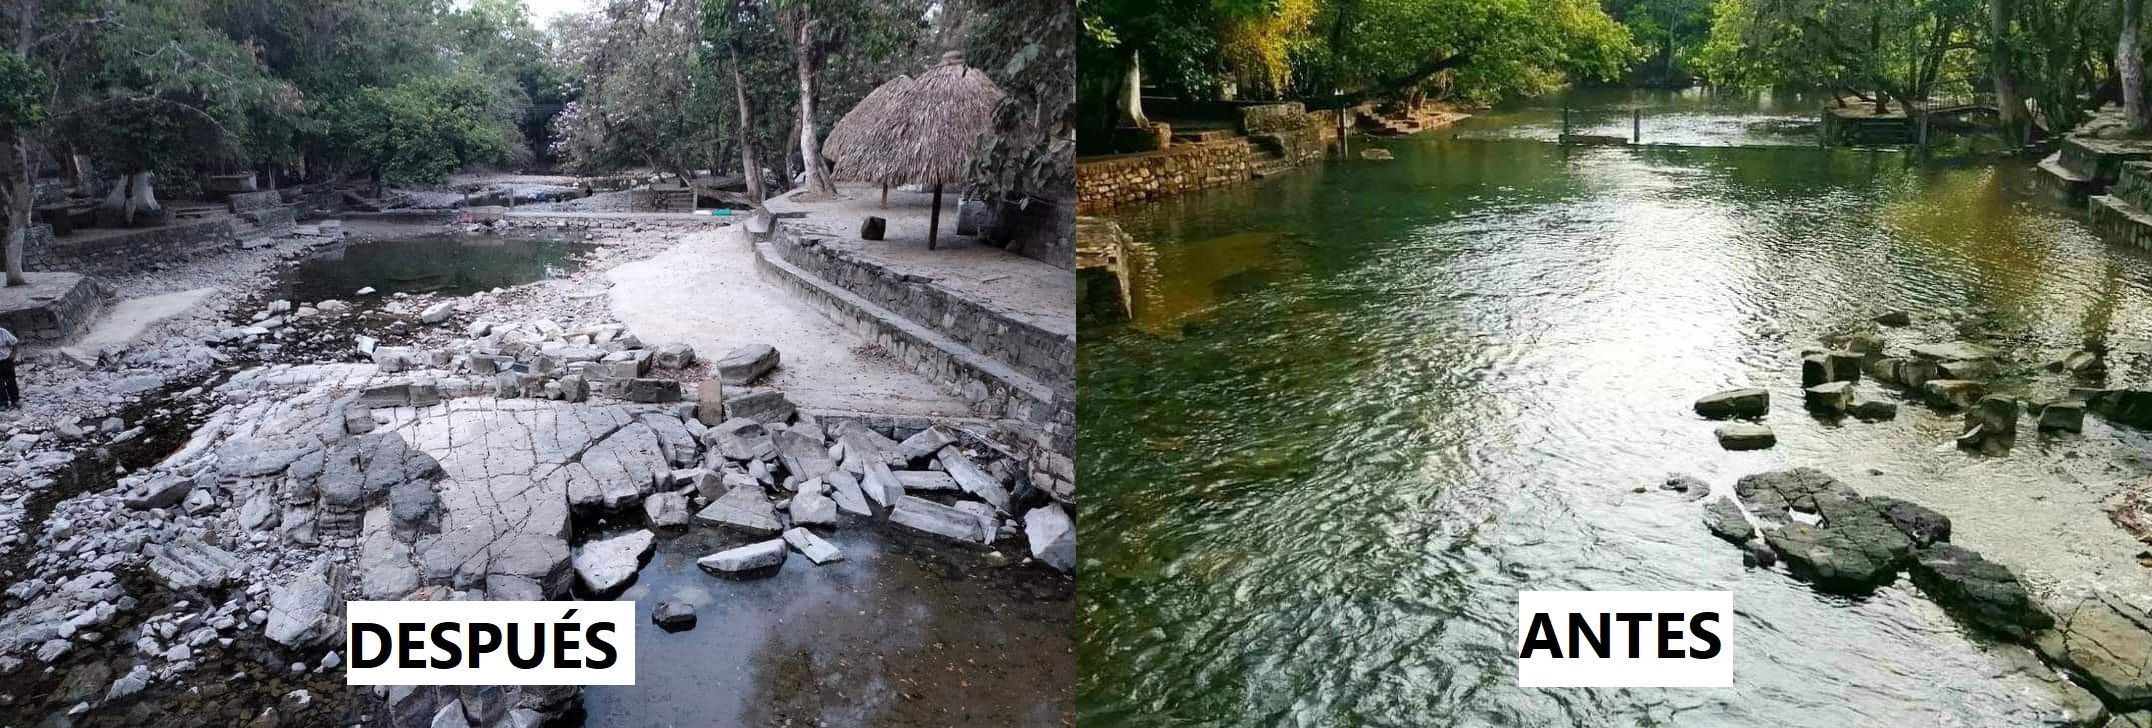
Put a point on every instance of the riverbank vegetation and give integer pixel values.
(2043, 64)
(405, 92)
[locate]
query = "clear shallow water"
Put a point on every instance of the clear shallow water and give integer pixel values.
(445, 264)
(1363, 404)
(902, 633)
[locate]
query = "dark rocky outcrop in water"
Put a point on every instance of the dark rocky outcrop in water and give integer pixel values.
(1841, 541)
(2131, 407)
(1851, 546)
(1982, 592)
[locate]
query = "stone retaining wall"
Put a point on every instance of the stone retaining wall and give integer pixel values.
(63, 304)
(1183, 168)
(1043, 416)
(253, 201)
(1278, 136)
(1035, 352)
(113, 254)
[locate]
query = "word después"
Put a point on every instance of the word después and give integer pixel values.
(454, 641)
(491, 643)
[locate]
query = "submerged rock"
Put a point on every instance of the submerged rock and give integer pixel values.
(2131, 407)
(673, 615)
(1871, 409)
(1726, 520)
(1745, 402)
(1983, 592)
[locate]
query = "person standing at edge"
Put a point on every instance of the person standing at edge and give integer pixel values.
(10, 395)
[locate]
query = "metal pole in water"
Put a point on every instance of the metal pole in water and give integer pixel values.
(1636, 126)
(1565, 124)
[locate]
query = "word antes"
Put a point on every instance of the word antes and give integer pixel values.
(1586, 639)
(490, 643)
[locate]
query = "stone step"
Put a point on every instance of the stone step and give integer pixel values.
(2134, 184)
(1204, 135)
(995, 387)
(2119, 221)
(2062, 183)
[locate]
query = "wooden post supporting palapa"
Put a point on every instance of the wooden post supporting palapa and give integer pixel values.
(885, 195)
(934, 218)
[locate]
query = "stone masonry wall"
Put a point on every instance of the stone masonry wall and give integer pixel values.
(1030, 350)
(1278, 135)
(131, 251)
(1041, 412)
(1177, 170)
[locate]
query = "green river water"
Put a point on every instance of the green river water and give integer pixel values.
(1362, 404)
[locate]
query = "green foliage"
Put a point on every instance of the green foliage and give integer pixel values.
(1033, 148)
(1670, 32)
(1901, 48)
(423, 129)
(20, 102)
(1473, 50)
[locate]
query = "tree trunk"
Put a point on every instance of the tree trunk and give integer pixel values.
(807, 54)
(2130, 69)
(141, 196)
(2007, 97)
(18, 193)
(1131, 100)
(750, 167)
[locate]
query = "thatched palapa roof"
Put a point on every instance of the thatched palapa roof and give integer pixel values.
(915, 130)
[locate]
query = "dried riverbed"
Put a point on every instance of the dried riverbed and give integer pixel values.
(147, 647)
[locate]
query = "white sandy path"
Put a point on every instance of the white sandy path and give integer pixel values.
(706, 292)
(125, 321)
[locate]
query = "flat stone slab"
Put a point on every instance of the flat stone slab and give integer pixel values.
(746, 364)
(2106, 642)
(744, 509)
(926, 481)
(754, 560)
(812, 546)
(927, 516)
(1953, 351)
